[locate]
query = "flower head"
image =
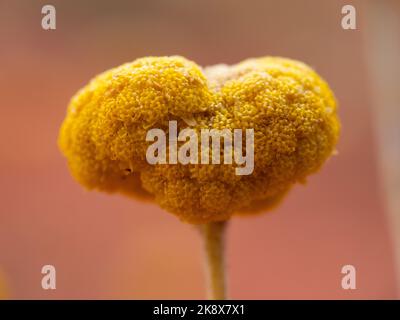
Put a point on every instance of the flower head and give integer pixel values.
(291, 109)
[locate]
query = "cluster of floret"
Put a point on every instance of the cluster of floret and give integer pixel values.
(291, 109)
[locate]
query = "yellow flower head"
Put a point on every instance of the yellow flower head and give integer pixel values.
(291, 109)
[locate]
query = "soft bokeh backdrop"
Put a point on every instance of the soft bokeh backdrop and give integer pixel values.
(112, 247)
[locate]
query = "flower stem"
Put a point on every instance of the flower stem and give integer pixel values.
(213, 234)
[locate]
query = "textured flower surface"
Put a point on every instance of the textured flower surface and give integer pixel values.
(291, 109)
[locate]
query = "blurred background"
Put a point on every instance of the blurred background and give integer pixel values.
(112, 247)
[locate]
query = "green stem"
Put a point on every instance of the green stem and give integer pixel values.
(213, 234)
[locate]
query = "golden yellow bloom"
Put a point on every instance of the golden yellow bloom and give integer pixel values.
(291, 109)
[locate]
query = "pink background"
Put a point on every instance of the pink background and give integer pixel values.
(112, 247)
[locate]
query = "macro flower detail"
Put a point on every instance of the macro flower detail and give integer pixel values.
(290, 108)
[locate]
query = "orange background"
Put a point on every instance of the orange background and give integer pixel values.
(111, 247)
